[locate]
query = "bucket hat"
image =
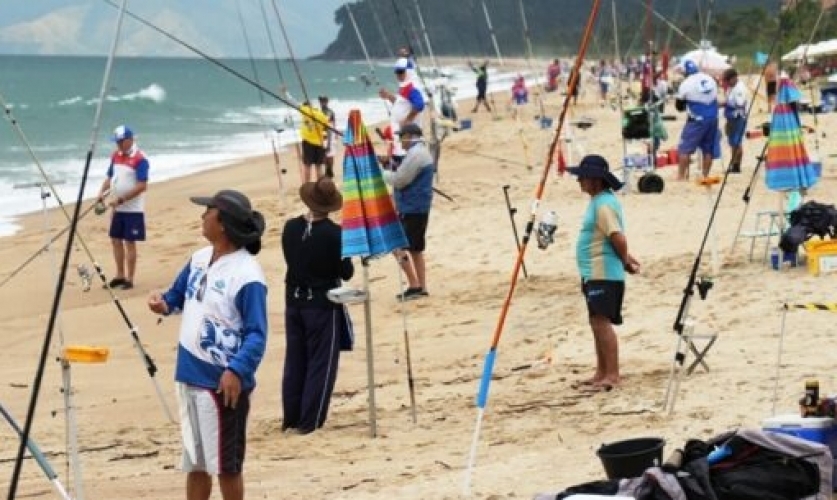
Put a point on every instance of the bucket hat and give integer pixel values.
(321, 196)
(242, 225)
(596, 167)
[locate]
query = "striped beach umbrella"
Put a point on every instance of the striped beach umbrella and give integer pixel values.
(788, 166)
(370, 222)
(371, 227)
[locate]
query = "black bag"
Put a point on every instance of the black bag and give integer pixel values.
(636, 124)
(753, 472)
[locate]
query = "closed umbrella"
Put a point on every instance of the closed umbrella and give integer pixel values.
(788, 166)
(370, 223)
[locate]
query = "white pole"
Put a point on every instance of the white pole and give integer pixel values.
(370, 362)
(426, 38)
(493, 36)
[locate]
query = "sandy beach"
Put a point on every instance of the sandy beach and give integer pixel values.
(538, 433)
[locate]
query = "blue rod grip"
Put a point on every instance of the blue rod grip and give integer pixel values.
(487, 370)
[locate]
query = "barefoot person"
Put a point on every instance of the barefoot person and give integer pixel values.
(603, 259)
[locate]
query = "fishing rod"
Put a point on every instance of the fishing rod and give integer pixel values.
(363, 48)
(702, 284)
(530, 55)
(491, 32)
(426, 36)
(59, 288)
(73, 221)
(221, 65)
(38, 455)
(488, 368)
(44, 247)
(290, 51)
(381, 32)
(276, 159)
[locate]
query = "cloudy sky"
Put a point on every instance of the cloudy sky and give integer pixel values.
(84, 27)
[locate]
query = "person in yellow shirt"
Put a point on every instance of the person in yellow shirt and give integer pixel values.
(313, 128)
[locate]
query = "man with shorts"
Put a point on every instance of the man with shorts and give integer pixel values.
(125, 184)
(603, 259)
(312, 132)
(735, 112)
(412, 185)
(698, 96)
(329, 139)
(222, 294)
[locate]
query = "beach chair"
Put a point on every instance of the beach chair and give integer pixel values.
(766, 226)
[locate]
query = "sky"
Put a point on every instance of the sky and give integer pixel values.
(86, 27)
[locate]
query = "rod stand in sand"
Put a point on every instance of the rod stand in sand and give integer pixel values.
(513, 211)
(684, 327)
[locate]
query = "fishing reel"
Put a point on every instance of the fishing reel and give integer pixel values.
(86, 277)
(546, 229)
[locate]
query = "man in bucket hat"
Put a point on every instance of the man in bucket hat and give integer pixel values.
(312, 246)
(603, 259)
(222, 294)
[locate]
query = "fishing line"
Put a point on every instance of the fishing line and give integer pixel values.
(290, 52)
(36, 386)
(381, 32)
(482, 396)
(530, 56)
(426, 37)
(276, 161)
(218, 63)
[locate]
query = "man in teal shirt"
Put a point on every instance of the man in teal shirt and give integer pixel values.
(603, 259)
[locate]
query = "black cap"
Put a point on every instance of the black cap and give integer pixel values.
(243, 226)
(410, 129)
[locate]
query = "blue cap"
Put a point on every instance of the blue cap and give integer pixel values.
(689, 67)
(122, 132)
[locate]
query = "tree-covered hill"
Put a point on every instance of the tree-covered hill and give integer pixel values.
(460, 28)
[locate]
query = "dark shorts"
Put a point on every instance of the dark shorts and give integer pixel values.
(128, 226)
(312, 154)
(701, 135)
(771, 88)
(734, 130)
(604, 298)
(415, 227)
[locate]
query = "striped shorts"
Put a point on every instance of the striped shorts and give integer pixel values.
(214, 436)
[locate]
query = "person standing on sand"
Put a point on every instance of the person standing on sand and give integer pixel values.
(603, 259)
(407, 105)
(127, 181)
(735, 112)
(482, 85)
(697, 95)
(329, 140)
(311, 245)
(222, 294)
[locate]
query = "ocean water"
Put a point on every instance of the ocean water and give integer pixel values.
(188, 115)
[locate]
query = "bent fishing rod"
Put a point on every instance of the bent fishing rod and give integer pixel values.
(59, 287)
(488, 368)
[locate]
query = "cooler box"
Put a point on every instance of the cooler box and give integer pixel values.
(817, 429)
(821, 255)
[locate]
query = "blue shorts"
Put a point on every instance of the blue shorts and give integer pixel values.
(521, 98)
(703, 135)
(734, 129)
(128, 226)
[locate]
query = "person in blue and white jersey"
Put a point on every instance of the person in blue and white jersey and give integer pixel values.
(735, 113)
(222, 294)
(698, 97)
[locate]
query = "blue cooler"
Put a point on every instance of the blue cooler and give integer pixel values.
(817, 429)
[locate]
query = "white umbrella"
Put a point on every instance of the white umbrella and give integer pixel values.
(803, 50)
(707, 60)
(826, 48)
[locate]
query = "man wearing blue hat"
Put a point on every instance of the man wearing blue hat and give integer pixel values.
(698, 96)
(125, 185)
(603, 259)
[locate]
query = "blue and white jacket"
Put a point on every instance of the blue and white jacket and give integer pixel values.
(224, 323)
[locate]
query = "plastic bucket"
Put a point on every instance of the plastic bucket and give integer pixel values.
(631, 457)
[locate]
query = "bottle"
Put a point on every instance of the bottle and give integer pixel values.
(810, 402)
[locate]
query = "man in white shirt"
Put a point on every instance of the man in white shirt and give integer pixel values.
(735, 112)
(698, 96)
